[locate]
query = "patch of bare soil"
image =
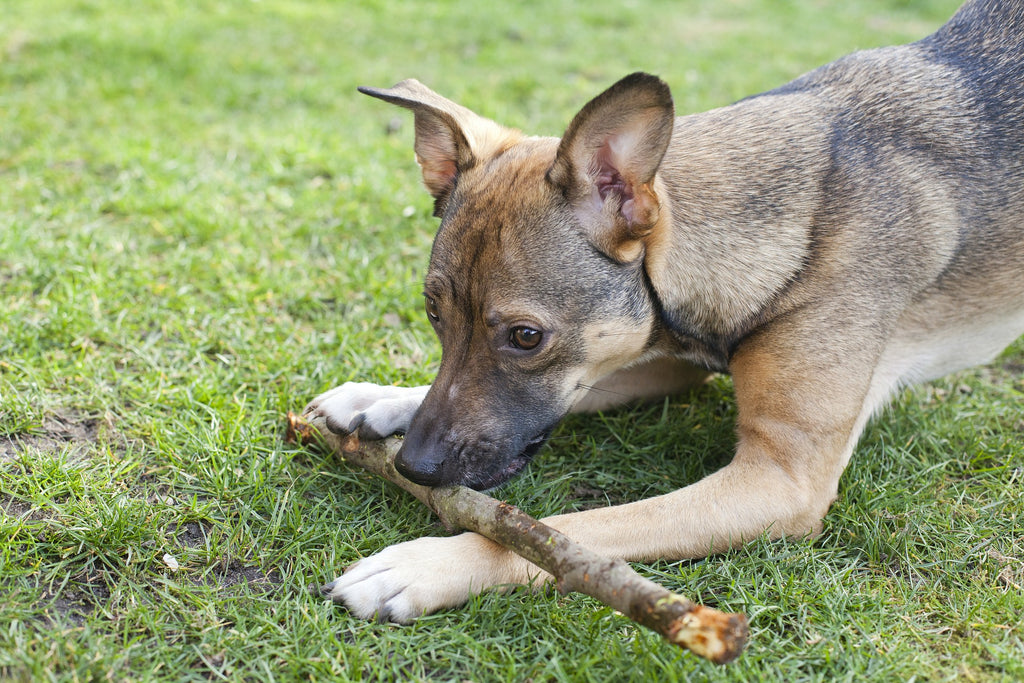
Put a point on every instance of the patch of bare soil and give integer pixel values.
(229, 572)
(84, 597)
(191, 534)
(59, 432)
(77, 602)
(12, 508)
(235, 574)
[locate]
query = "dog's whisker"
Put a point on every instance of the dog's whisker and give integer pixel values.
(602, 390)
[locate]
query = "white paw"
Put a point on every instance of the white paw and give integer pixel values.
(375, 411)
(408, 580)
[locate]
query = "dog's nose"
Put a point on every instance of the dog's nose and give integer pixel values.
(420, 463)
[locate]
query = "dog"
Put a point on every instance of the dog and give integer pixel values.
(826, 243)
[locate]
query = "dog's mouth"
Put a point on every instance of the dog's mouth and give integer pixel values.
(514, 466)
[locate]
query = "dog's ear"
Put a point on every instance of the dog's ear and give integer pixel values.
(449, 138)
(608, 158)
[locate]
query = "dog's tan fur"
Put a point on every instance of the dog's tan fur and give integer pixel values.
(826, 243)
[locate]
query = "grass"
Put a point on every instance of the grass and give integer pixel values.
(203, 226)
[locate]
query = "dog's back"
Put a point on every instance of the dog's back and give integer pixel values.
(983, 47)
(975, 307)
(925, 184)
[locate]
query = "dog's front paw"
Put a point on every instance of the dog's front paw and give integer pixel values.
(408, 580)
(373, 410)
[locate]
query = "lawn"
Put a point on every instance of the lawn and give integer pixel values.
(203, 225)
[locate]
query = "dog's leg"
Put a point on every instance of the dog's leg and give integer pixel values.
(797, 426)
(736, 504)
(799, 421)
(371, 410)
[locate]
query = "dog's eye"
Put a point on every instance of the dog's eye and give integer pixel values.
(525, 338)
(431, 306)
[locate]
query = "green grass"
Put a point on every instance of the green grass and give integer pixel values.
(202, 225)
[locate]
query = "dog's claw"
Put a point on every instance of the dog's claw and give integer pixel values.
(356, 422)
(334, 426)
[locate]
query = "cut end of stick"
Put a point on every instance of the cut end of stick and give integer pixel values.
(350, 444)
(298, 430)
(716, 636)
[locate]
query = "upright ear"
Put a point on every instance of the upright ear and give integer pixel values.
(608, 158)
(449, 138)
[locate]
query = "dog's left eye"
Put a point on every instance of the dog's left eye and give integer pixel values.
(525, 338)
(431, 306)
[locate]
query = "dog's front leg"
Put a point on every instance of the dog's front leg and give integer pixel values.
(800, 414)
(734, 505)
(407, 580)
(371, 410)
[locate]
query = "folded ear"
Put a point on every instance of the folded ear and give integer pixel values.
(449, 138)
(607, 161)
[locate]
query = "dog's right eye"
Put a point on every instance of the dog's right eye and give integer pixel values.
(525, 338)
(432, 312)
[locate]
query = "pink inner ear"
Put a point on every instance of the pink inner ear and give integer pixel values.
(607, 177)
(437, 175)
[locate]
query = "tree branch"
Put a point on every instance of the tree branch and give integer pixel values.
(706, 632)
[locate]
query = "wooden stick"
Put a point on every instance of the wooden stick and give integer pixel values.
(705, 631)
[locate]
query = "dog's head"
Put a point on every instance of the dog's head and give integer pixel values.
(536, 285)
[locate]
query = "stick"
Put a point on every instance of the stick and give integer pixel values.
(705, 631)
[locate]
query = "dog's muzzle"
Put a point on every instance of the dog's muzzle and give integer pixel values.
(481, 468)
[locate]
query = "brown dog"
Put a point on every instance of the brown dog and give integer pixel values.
(826, 243)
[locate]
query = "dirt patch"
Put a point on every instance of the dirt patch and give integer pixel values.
(62, 431)
(83, 598)
(12, 508)
(76, 603)
(236, 573)
(225, 573)
(1011, 571)
(191, 534)
(226, 577)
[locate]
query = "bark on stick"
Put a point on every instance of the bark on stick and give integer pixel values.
(705, 631)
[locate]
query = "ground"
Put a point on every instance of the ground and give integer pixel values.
(203, 225)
